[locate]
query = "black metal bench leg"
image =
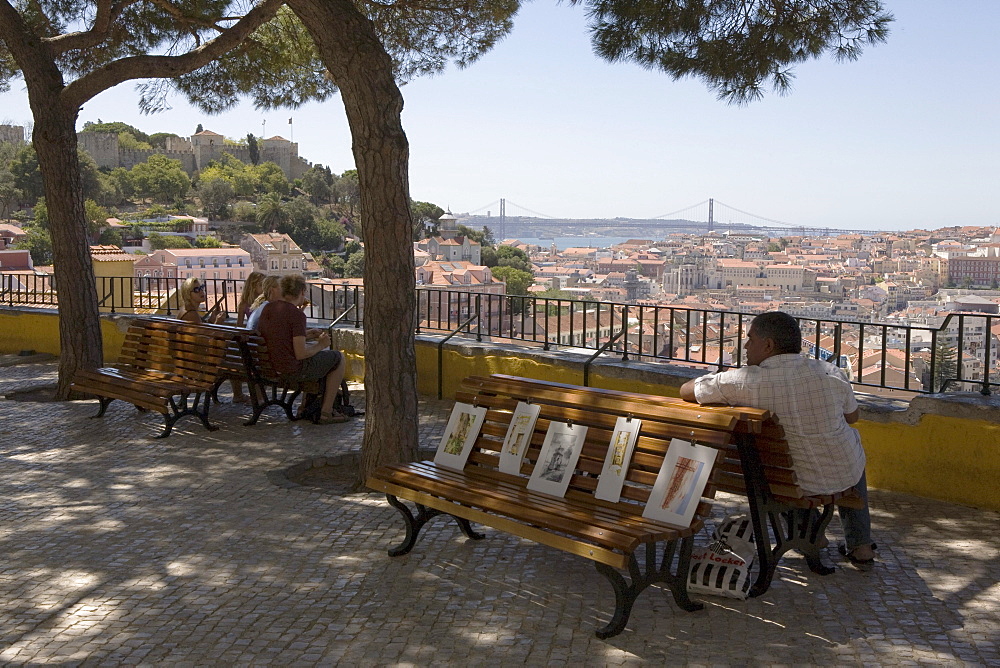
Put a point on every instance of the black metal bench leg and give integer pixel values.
(816, 523)
(766, 561)
(625, 596)
(104, 403)
(413, 524)
(467, 529)
(168, 425)
(678, 581)
(202, 414)
(627, 592)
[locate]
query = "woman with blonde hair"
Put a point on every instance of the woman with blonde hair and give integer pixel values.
(283, 326)
(192, 298)
(252, 289)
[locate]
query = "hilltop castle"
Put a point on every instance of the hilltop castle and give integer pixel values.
(194, 152)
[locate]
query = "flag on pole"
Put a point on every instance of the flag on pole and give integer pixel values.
(289, 121)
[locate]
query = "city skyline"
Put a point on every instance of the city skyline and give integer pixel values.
(900, 139)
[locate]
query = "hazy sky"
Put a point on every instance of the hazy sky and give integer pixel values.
(905, 137)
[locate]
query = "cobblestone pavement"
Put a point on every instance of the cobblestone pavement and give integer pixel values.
(121, 549)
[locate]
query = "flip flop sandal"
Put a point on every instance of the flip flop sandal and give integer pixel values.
(860, 564)
(334, 418)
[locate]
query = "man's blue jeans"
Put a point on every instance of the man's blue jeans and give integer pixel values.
(857, 523)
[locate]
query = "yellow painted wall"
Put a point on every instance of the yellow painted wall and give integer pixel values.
(39, 331)
(947, 458)
(457, 366)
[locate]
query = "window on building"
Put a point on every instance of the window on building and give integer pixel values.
(274, 264)
(284, 264)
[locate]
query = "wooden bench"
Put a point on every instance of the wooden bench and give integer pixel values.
(613, 535)
(167, 366)
(247, 360)
(759, 466)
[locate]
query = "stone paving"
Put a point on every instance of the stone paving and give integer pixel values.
(121, 549)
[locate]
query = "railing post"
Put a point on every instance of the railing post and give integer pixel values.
(625, 332)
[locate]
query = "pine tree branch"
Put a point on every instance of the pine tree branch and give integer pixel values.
(155, 67)
(107, 13)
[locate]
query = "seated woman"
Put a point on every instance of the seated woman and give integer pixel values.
(269, 291)
(251, 290)
(193, 297)
(283, 326)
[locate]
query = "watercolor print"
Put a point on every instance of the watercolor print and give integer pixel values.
(515, 444)
(557, 458)
(609, 485)
(679, 484)
(459, 436)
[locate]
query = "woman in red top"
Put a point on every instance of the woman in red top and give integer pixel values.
(283, 326)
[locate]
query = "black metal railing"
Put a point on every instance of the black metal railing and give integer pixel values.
(959, 354)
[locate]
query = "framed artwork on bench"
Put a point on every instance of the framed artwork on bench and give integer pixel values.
(557, 458)
(459, 436)
(515, 444)
(678, 487)
(609, 485)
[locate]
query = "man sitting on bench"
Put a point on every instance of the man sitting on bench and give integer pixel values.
(814, 404)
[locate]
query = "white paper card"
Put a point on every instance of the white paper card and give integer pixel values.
(557, 459)
(609, 485)
(459, 436)
(515, 444)
(678, 487)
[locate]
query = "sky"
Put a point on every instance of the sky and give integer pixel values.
(906, 137)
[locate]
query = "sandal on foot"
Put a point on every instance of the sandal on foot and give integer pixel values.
(860, 564)
(332, 418)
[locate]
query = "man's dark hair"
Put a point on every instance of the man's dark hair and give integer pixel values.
(781, 328)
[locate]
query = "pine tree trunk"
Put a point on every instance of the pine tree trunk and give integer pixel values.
(362, 69)
(54, 139)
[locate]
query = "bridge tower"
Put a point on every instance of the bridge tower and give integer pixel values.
(711, 214)
(502, 227)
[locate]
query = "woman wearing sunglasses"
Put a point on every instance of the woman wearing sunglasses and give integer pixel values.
(193, 297)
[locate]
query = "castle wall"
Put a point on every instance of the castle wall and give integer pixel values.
(102, 147)
(194, 154)
(12, 134)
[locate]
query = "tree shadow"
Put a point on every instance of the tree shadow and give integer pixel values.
(119, 547)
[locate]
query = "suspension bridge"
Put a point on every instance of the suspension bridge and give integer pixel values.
(507, 220)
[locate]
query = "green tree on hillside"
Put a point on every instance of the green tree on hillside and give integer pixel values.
(159, 178)
(354, 267)
(425, 217)
(517, 280)
(215, 195)
(945, 364)
(270, 213)
(207, 242)
(253, 148)
(118, 128)
(159, 241)
(38, 242)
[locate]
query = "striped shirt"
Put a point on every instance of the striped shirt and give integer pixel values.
(810, 398)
